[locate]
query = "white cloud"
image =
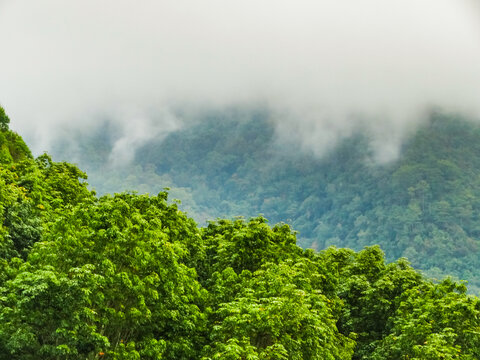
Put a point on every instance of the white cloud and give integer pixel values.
(322, 66)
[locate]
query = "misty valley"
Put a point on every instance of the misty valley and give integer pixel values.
(271, 251)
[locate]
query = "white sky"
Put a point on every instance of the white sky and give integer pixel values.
(324, 67)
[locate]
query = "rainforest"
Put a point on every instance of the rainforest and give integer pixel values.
(131, 276)
(240, 180)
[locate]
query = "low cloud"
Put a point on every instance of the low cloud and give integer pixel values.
(137, 130)
(323, 68)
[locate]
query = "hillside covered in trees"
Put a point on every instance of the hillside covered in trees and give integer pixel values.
(424, 206)
(132, 277)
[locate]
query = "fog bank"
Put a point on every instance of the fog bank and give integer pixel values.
(324, 69)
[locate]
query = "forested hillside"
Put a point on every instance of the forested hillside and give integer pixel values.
(129, 276)
(424, 206)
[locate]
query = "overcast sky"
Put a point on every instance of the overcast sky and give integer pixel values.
(324, 68)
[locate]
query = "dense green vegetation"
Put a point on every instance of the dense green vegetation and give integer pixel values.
(132, 277)
(424, 206)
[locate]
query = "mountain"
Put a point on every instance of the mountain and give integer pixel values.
(424, 206)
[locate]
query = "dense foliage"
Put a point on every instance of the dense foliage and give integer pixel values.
(424, 206)
(132, 277)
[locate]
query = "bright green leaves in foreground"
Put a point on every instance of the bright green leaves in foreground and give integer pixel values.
(107, 278)
(278, 314)
(32, 193)
(267, 298)
(46, 314)
(4, 119)
(434, 322)
(131, 277)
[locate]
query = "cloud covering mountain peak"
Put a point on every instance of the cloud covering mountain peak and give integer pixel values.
(323, 68)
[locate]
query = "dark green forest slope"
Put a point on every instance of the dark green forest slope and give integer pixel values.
(424, 206)
(132, 277)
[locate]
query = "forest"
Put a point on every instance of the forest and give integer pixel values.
(424, 205)
(131, 276)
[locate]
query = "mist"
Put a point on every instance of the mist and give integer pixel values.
(323, 69)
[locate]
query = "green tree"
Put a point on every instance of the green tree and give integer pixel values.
(4, 120)
(115, 265)
(278, 314)
(434, 321)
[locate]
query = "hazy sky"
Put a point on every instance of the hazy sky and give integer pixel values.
(324, 68)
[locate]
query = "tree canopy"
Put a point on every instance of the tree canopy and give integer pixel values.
(4, 119)
(130, 276)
